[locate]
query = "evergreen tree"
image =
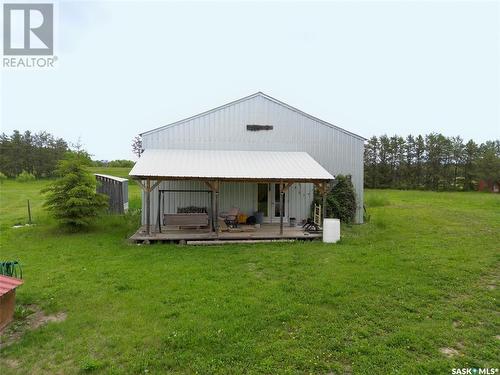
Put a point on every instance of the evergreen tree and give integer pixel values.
(371, 162)
(470, 155)
(400, 160)
(384, 169)
(37, 153)
(433, 162)
(419, 160)
(341, 200)
(458, 160)
(447, 163)
(488, 164)
(410, 154)
(72, 198)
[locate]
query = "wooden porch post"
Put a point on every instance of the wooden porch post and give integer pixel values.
(159, 211)
(148, 207)
(147, 190)
(282, 202)
(212, 210)
(283, 189)
(214, 187)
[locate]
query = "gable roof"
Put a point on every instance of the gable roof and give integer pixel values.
(257, 94)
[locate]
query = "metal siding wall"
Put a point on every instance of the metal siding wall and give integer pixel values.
(172, 201)
(117, 192)
(300, 200)
(238, 194)
(337, 151)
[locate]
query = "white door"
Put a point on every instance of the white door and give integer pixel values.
(268, 202)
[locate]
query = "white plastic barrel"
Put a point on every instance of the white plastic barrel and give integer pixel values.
(331, 230)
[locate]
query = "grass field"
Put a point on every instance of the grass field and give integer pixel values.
(418, 280)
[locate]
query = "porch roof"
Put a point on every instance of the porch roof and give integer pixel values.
(158, 164)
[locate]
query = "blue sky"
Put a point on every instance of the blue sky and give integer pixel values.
(370, 67)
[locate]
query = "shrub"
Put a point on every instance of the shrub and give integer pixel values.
(2, 178)
(341, 200)
(25, 177)
(72, 198)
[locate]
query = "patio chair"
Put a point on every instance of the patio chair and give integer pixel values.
(314, 225)
(231, 217)
(311, 226)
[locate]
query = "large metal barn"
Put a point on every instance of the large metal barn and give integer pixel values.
(256, 156)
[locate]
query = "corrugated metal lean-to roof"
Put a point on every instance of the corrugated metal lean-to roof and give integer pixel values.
(229, 165)
(114, 178)
(8, 283)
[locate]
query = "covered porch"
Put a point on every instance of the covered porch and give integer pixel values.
(212, 168)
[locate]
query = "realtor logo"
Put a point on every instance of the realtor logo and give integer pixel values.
(28, 29)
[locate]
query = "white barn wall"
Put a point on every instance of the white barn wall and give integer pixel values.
(337, 150)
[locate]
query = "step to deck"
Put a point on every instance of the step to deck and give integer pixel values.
(227, 242)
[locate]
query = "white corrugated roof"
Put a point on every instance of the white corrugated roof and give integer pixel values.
(119, 179)
(237, 165)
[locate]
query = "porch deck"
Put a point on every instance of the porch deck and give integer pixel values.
(245, 232)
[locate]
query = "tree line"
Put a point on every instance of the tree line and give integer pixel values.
(38, 154)
(35, 153)
(430, 162)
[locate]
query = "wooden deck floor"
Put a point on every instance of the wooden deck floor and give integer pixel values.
(265, 232)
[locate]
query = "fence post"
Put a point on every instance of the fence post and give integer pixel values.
(29, 212)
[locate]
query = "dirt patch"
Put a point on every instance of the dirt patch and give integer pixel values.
(11, 363)
(449, 352)
(39, 319)
(491, 280)
(347, 370)
(34, 320)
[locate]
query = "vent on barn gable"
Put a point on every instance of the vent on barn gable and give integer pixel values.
(256, 128)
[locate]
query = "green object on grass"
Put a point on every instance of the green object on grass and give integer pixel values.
(11, 268)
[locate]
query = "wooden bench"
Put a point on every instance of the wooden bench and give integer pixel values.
(190, 220)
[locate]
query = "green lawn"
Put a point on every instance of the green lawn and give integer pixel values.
(421, 276)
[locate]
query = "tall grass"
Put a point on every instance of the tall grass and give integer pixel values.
(374, 200)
